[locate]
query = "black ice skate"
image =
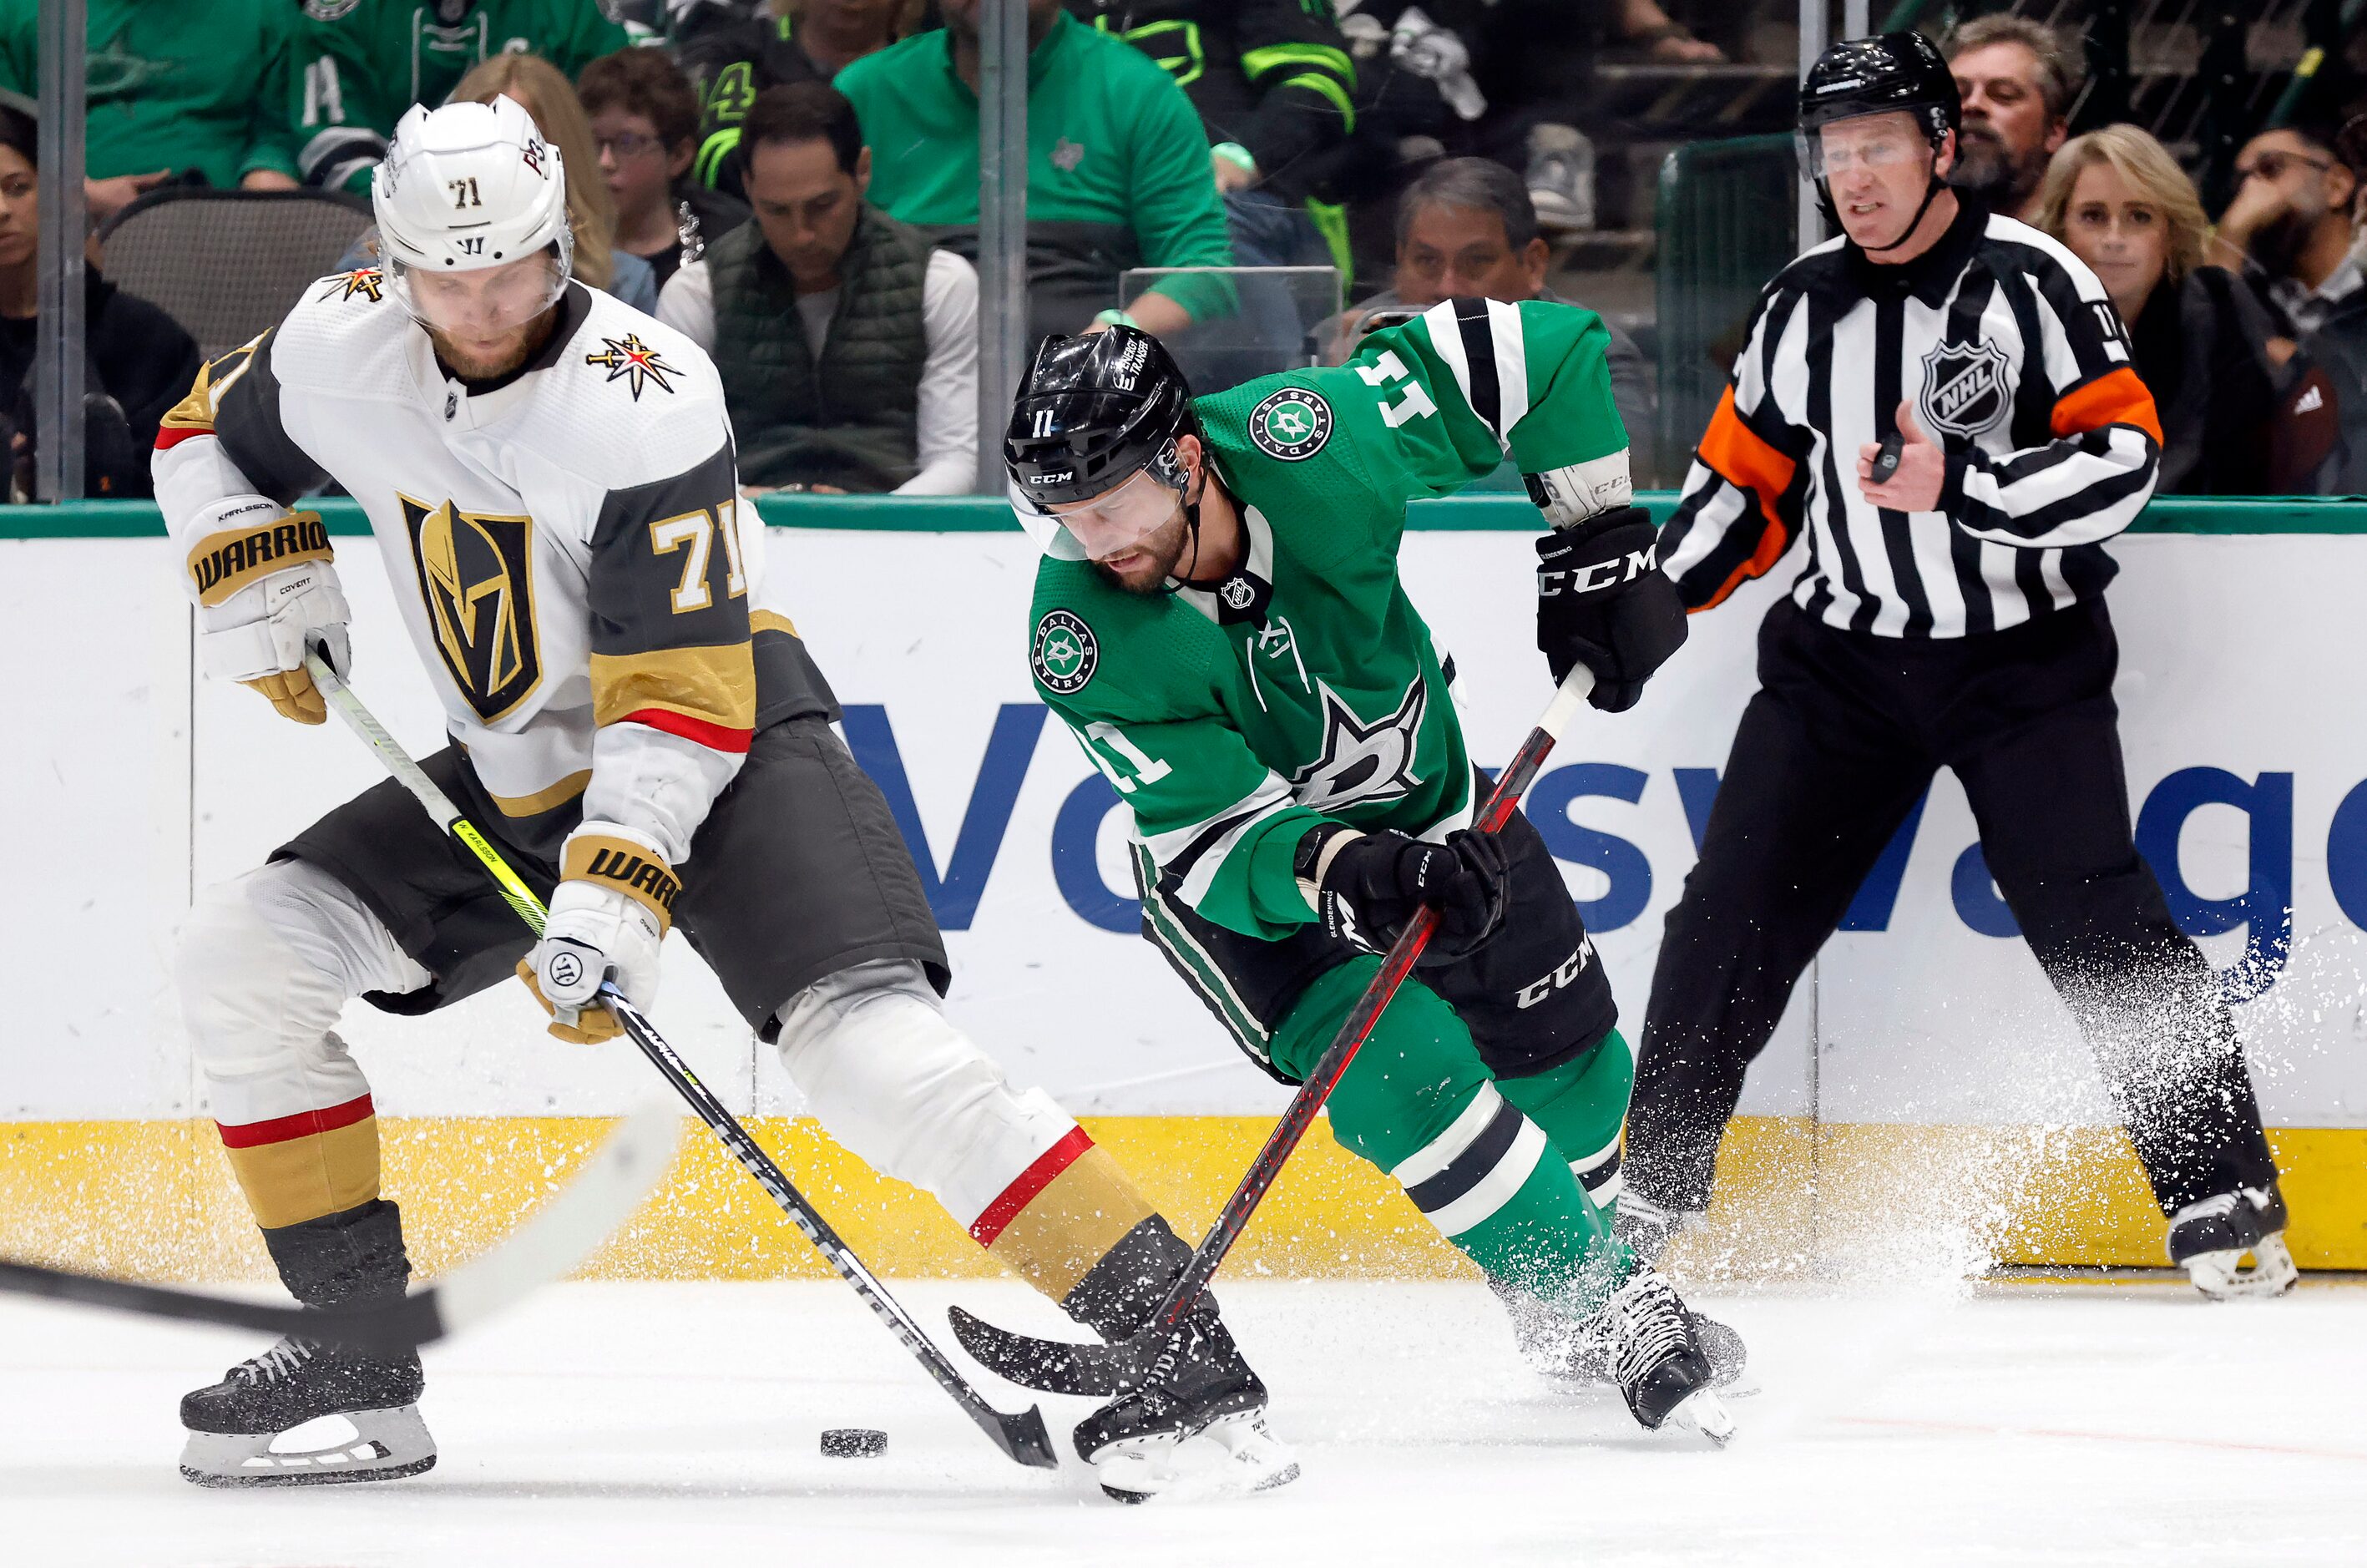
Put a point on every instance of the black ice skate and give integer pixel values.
(1647, 1338)
(1199, 1387)
(1567, 1352)
(234, 1423)
(2210, 1239)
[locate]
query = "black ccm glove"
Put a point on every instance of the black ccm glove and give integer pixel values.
(1604, 602)
(1367, 886)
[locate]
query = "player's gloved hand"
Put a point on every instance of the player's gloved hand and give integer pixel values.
(1367, 886)
(608, 915)
(268, 590)
(1603, 601)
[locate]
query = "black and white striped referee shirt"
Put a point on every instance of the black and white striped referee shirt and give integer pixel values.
(2015, 361)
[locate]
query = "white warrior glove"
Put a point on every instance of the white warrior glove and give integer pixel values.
(608, 915)
(267, 590)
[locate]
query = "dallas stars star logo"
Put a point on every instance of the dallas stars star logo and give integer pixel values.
(361, 281)
(636, 362)
(1290, 425)
(1362, 762)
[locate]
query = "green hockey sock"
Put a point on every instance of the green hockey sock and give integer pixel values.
(1582, 1105)
(1419, 1103)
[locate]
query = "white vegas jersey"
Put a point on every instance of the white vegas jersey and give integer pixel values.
(566, 544)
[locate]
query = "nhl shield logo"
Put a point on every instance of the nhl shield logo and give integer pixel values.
(1963, 388)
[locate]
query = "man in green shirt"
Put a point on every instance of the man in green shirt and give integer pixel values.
(172, 88)
(1220, 620)
(359, 65)
(1117, 166)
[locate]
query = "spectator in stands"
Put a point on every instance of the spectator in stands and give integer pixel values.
(1117, 166)
(2018, 83)
(358, 65)
(846, 343)
(2338, 340)
(173, 92)
(557, 113)
(645, 123)
(1273, 83)
(1465, 228)
(732, 55)
(139, 361)
(2241, 413)
(2288, 229)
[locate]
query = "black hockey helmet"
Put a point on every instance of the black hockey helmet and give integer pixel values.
(1092, 412)
(1883, 74)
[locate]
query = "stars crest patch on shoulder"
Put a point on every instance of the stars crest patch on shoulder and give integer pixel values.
(361, 281)
(1065, 654)
(635, 362)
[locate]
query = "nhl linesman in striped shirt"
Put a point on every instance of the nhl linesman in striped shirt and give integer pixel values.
(1940, 407)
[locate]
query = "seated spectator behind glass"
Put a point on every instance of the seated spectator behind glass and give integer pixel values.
(536, 86)
(139, 361)
(2018, 83)
(846, 345)
(2241, 414)
(1117, 166)
(1466, 228)
(645, 120)
(358, 64)
(2288, 229)
(191, 91)
(733, 51)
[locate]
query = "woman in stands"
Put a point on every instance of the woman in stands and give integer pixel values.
(140, 361)
(2243, 411)
(545, 93)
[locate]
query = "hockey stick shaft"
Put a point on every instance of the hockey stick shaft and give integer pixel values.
(557, 1236)
(1022, 1436)
(1234, 1218)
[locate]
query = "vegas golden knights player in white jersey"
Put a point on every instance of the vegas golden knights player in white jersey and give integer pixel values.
(548, 476)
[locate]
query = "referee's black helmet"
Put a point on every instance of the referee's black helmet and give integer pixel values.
(1093, 410)
(1883, 74)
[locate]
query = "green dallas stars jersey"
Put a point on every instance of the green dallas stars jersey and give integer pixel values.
(1304, 687)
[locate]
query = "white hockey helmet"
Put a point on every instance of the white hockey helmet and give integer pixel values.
(470, 185)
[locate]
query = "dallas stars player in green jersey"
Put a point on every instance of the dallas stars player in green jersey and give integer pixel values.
(1220, 620)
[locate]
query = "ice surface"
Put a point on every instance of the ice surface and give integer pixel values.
(666, 1423)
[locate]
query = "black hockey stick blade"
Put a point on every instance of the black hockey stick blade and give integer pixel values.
(559, 1236)
(1057, 1365)
(1023, 1437)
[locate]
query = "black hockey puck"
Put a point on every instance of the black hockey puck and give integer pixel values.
(853, 1443)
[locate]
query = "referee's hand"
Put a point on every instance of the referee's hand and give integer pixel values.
(1923, 470)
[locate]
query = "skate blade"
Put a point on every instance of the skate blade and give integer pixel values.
(1233, 1455)
(2222, 1276)
(387, 1445)
(1707, 1413)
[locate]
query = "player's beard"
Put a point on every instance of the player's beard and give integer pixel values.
(1154, 560)
(474, 365)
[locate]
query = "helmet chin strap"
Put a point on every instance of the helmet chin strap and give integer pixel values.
(1179, 580)
(1930, 194)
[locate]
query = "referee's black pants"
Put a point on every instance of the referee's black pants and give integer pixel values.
(1843, 736)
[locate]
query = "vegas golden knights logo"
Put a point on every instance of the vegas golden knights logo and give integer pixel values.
(476, 576)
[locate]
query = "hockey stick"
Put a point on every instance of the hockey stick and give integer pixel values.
(1021, 1437)
(1061, 1367)
(561, 1233)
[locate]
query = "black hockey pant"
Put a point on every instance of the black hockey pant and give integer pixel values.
(1843, 737)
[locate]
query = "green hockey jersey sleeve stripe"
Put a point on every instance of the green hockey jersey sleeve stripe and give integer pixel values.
(1214, 848)
(1179, 849)
(1482, 344)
